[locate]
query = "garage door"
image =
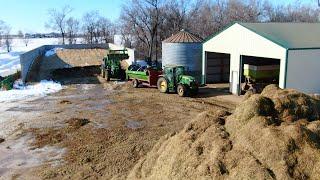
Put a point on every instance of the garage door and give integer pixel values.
(218, 67)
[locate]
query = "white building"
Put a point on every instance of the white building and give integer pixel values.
(293, 46)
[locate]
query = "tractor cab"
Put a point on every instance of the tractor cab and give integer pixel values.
(175, 79)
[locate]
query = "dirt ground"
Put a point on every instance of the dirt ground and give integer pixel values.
(272, 135)
(96, 130)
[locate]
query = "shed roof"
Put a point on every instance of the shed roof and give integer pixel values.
(287, 35)
(184, 36)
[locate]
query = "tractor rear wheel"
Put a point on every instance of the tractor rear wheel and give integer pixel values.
(162, 85)
(194, 92)
(107, 75)
(103, 73)
(181, 90)
(122, 75)
(135, 83)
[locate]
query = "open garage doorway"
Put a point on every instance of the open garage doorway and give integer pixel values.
(218, 68)
(258, 72)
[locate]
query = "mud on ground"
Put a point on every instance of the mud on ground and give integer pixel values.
(106, 128)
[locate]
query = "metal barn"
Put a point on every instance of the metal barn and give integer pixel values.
(295, 47)
(183, 48)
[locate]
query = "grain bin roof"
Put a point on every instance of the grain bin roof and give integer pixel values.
(184, 36)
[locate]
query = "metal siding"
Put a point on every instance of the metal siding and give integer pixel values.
(237, 40)
(185, 54)
(303, 70)
(285, 34)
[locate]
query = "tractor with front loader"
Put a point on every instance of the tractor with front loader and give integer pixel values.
(111, 65)
(174, 79)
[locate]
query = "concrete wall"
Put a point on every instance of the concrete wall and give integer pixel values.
(303, 70)
(238, 40)
(30, 59)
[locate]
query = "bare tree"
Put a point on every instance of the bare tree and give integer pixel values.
(7, 37)
(72, 29)
(2, 27)
(175, 17)
(26, 40)
(147, 22)
(144, 18)
(127, 39)
(106, 30)
(20, 34)
(90, 26)
(292, 13)
(57, 20)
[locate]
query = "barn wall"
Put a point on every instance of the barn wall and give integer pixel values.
(238, 40)
(303, 70)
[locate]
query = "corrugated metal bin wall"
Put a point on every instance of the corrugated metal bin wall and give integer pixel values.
(186, 54)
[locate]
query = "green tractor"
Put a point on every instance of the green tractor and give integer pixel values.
(111, 65)
(174, 79)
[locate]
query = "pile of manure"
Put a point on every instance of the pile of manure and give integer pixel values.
(275, 135)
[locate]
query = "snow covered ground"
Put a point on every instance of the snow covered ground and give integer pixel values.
(21, 92)
(10, 62)
(52, 52)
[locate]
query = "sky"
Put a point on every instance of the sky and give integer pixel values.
(31, 15)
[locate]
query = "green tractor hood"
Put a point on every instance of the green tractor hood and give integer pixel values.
(189, 80)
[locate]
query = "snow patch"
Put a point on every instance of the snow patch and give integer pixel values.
(17, 155)
(52, 52)
(10, 61)
(22, 92)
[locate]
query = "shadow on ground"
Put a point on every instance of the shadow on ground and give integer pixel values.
(207, 91)
(78, 75)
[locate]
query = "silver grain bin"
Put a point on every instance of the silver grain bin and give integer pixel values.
(183, 48)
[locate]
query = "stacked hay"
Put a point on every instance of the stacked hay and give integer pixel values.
(275, 135)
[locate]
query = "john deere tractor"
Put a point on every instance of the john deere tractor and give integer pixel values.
(111, 65)
(174, 79)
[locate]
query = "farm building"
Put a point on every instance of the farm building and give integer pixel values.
(183, 48)
(295, 47)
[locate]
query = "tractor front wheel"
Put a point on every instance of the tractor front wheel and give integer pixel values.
(162, 85)
(182, 90)
(135, 83)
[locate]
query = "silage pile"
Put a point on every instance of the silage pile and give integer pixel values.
(275, 135)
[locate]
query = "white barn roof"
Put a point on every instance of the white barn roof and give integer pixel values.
(287, 35)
